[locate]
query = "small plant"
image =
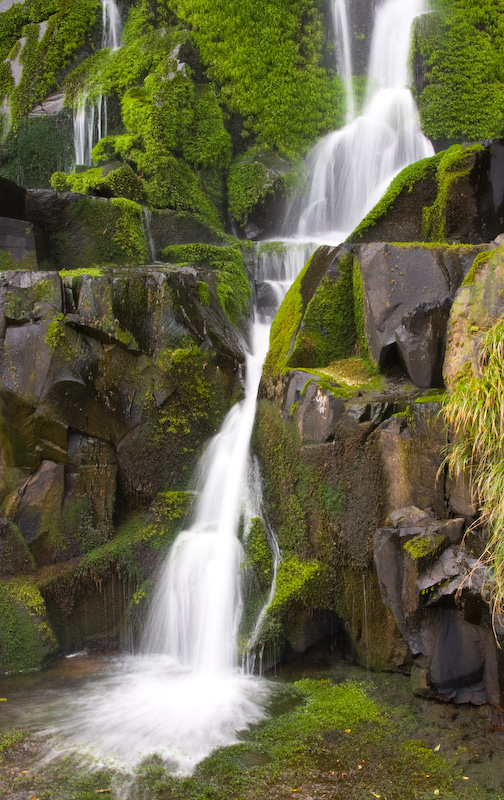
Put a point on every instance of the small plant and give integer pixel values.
(474, 413)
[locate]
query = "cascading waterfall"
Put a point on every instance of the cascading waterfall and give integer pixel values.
(351, 168)
(111, 36)
(185, 695)
(90, 117)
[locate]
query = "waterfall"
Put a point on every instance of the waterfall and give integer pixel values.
(197, 607)
(111, 36)
(350, 169)
(185, 694)
(90, 118)
(344, 50)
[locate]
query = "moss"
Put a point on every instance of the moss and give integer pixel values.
(462, 95)
(278, 446)
(68, 25)
(250, 182)
(478, 264)
(327, 330)
(26, 639)
(303, 582)
(195, 399)
(95, 272)
(60, 339)
(453, 165)
(204, 293)
(233, 288)
(284, 327)
(101, 232)
(37, 148)
(423, 546)
(121, 182)
(424, 170)
(258, 553)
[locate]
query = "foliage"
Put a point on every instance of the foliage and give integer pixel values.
(267, 66)
(424, 170)
(462, 47)
(284, 327)
(69, 23)
(121, 182)
(474, 413)
(36, 148)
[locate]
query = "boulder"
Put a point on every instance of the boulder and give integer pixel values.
(408, 291)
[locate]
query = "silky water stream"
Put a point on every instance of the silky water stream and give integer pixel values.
(186, 693)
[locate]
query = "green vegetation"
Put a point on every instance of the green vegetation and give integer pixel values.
(26, 640)
(121, 182)
(462, 47)
(327, 330)
(233, 287)
(478, 264)
(453, 165)
(423, 546)
(267, 66)
(424, 170)
(328, 735)
(474, 414)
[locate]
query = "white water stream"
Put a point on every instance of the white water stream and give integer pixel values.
(186, 694)
(90, 118)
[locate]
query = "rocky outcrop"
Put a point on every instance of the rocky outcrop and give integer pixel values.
(109, 386)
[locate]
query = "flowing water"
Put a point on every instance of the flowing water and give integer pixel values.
(186, 693)
(350, 169)
(90, 117)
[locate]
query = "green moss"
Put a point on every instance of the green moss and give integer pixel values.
(233, 287)
(285, 99)
(95, 272)
(478, 264)
(250, 182)
(204, 293)
(327, 330)
(423, 546)
(60, 340)
(300, 582)
(69, 23)
(278, 447)
(462, 52)
(258, 553)
(121, 182)
(102, 232)
(454, 164)
(424, 170)
(26, 639)
(38, 146)
(284, 327)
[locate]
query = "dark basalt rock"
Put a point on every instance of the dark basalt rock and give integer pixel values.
(408, 292)
(427, 581)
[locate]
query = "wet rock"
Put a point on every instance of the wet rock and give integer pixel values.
(408, 291)
(437, 593)
(41, 502)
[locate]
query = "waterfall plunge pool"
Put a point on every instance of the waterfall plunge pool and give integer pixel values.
(333, 731)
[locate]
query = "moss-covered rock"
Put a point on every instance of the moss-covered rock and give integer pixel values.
(27, 641)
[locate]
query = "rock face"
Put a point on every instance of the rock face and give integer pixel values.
(408, 292)
(109, 385)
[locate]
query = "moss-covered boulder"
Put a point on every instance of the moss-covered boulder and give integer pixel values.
(477, 306)
(256, 192)
(455, 196)
(27, 641)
